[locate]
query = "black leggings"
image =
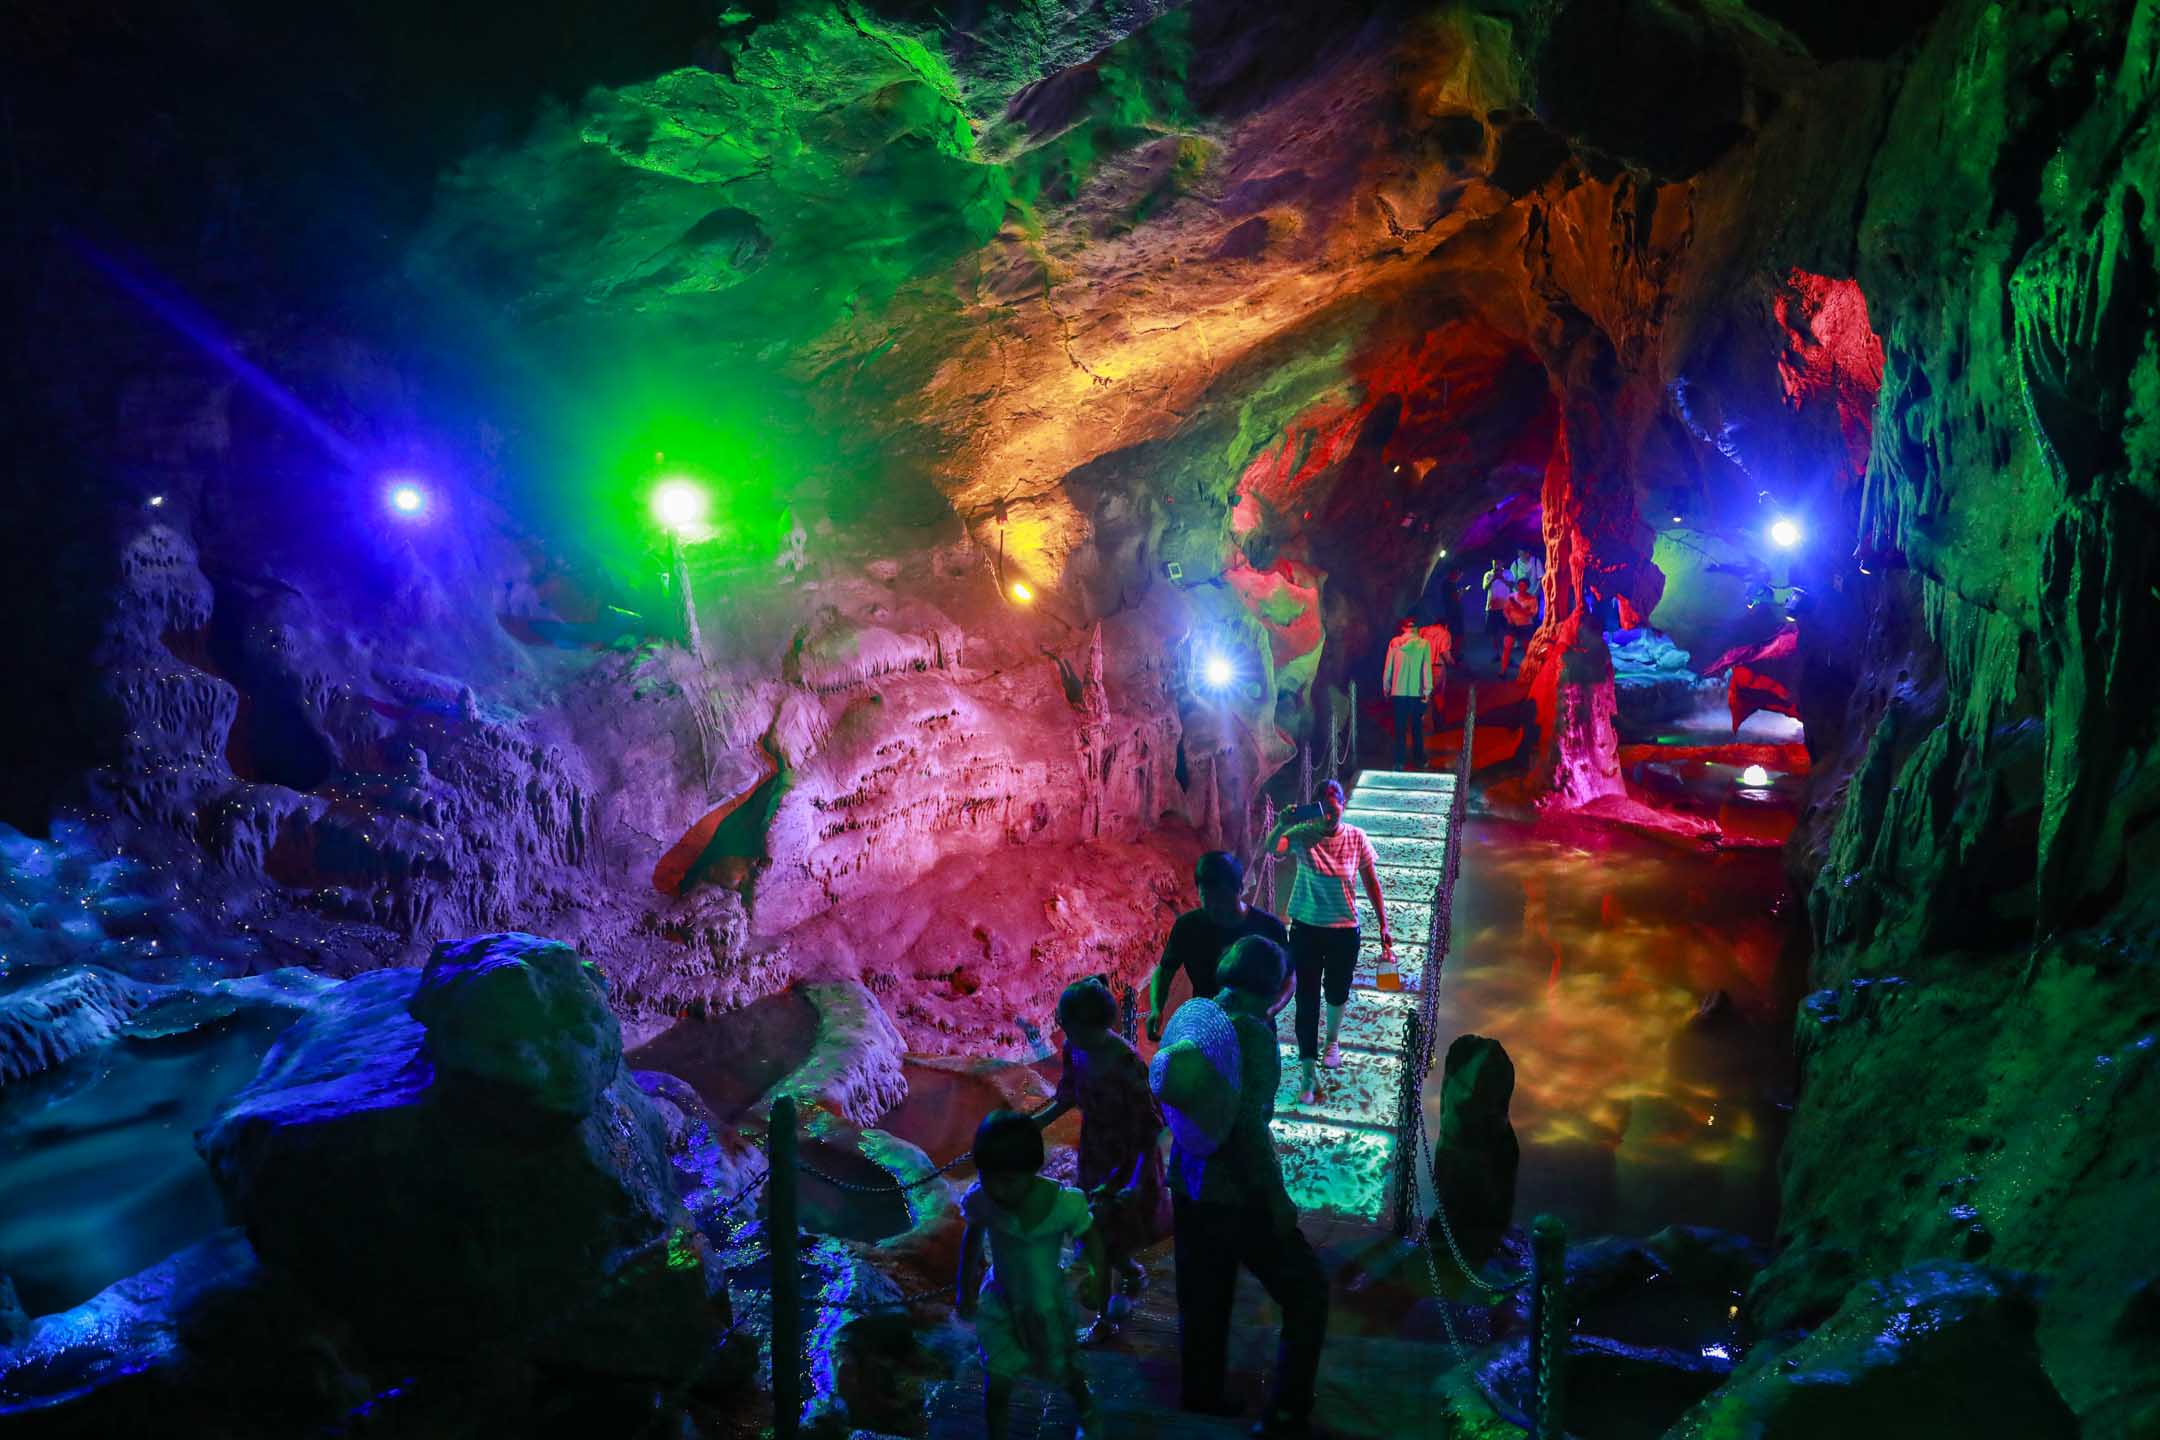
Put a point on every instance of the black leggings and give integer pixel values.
(1325, 958)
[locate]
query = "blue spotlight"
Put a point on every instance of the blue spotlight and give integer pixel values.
(1217, 672)
(407, 499)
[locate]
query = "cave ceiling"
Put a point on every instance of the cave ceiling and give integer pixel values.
(1081, 272)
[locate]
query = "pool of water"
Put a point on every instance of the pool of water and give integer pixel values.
(98, 1162)
(731, 1060)
(1590, 952)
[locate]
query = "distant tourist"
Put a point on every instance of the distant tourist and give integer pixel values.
(1499, 588)
(1332, 858)
(1121, 1164)
(1199, 937)
(1025, 1322)
(1216, 1077)
(1451, 589)
(1406, 675)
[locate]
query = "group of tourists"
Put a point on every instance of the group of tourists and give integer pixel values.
(1220, 1195)
(1514, 596)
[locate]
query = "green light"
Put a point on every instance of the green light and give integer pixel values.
(680, 505)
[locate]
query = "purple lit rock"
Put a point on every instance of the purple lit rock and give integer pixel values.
(456, 1157)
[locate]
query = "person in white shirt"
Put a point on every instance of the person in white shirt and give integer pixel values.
(1406, 676)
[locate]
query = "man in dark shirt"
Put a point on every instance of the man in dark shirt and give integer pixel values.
(1200, 937)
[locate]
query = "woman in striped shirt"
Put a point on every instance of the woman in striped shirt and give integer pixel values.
(1331, 859)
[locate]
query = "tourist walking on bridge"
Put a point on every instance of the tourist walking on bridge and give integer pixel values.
(1407, 677)
(1332, 859)
(1216, 1077)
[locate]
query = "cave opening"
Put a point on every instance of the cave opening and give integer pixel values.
(607, 599)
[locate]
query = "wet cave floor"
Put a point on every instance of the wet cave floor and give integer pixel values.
(1588, 952)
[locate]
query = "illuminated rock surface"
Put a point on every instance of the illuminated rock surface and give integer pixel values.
(474, 1121)
(1033, 356)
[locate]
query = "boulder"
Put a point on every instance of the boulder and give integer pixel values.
(1475, 1154)
(455, 1158)
(1937, 1349)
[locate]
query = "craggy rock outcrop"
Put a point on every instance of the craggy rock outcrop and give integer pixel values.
(58, 1016)
(854, 1065)
(1033, 359)
(475, 1122)
(1945, 1349)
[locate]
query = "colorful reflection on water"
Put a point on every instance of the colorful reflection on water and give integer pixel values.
(1590, 953)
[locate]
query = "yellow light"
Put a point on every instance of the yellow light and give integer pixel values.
(1021, 593)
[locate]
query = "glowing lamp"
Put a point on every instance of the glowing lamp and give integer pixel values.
(1755, 777)
(1021, 593)
(1216, 671)
(406, 500)
(1784, 533)
(679, 505)
(156, 501)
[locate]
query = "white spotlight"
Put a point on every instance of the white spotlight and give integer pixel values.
(1755, 777)
(1216, 671)
(1784, 533)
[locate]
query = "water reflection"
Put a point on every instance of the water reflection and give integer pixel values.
(1636, 984)
(98, 1162)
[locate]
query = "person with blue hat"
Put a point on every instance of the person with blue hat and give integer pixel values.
(1216, 1076)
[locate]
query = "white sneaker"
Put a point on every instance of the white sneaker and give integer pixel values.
(1333, 1058)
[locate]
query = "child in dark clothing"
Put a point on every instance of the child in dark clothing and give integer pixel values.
(1121, 1165)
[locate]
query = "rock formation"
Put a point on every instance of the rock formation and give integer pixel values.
(1033, 358)
(474, 1121)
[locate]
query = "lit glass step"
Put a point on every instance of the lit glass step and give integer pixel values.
(1397, 822)
(1375, 1020)
(1406, 779)
(1410, 852)
(1336, 1168)
(1364, 1092)
(1401, 802)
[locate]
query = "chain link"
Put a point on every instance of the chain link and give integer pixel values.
(890, 1187)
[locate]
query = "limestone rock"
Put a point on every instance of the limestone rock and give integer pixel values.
(1475, 1154)
(474, 1123)
(1939, 1349)
(61, 1015)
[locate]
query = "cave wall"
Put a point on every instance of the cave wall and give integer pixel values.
(1979, 848)
(1211, 327)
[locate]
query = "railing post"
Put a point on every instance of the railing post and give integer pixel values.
(1548, 1327)
(787, 1345)
(1351, 758)
(1416, 1061)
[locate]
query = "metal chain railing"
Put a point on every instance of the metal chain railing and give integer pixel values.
(1547, 1276)
(892, 1185)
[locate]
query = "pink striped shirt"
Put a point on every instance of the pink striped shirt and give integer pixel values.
(1325, 891)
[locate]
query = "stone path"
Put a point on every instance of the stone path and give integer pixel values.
(1339, 1155)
